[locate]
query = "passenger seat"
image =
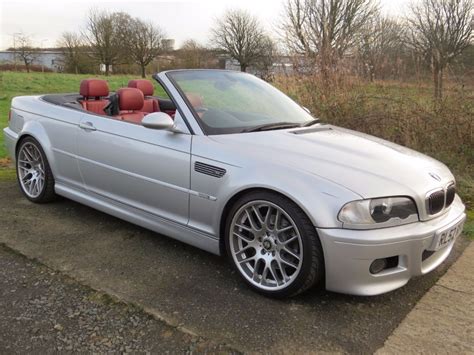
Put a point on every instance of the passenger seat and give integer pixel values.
(146, 87)
(130, 104)
(93, 92)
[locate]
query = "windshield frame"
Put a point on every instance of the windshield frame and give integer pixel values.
(206, 129)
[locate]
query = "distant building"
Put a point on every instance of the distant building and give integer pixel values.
(50, 59)
(167, 44)
(281, 65)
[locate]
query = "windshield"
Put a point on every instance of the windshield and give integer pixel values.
(231, 102)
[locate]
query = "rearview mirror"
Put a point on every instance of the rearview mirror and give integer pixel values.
(158, 120)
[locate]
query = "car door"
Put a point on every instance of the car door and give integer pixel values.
(140, 167)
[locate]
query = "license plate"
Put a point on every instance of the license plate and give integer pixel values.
(447, 236)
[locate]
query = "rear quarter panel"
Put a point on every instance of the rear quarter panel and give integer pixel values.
(53, 127)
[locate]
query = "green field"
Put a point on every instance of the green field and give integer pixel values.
(16, 84)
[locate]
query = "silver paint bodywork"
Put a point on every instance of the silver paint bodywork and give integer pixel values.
(147, 177)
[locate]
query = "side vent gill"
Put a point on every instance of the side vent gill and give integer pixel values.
(210, 170)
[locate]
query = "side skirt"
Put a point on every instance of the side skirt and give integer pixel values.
(142, 218)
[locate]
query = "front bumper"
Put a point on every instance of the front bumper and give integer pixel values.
(349, 253)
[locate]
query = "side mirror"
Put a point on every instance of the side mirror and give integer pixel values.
(158, 120)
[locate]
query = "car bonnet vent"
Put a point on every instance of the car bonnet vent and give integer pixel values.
(312, 130)
(210, 170)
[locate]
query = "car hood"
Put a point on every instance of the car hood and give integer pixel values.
(369, 166)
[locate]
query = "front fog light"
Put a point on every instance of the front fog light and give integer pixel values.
(378, 265)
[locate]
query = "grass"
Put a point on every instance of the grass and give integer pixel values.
(7, 174)
(15, 84)
(469, 225)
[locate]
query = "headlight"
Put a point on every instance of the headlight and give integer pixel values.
(379, 212)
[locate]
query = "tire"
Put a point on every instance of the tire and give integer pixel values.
(33, 172)
(273, 245)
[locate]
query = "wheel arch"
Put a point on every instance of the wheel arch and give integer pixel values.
(36, 131)
(232, 200)
(20, 139)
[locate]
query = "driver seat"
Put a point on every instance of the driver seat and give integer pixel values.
(130, 105)
(196, 102)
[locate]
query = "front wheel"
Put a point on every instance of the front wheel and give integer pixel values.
(33, 172)
(273, 245)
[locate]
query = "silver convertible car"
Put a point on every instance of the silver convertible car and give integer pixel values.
(229, 164)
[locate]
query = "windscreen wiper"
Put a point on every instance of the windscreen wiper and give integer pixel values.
(310, 123)
(270, 126)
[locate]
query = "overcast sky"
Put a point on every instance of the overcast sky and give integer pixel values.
(45, 20)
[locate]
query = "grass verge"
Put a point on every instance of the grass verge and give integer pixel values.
(469, 225)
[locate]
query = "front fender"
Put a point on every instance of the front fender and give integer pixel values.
(320, 199)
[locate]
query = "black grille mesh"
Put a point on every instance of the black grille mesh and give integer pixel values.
(210, 170)
(450, 193)
(436, 202)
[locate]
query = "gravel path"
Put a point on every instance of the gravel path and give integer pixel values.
(42, 311)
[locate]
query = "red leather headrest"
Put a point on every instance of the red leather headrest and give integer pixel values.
(130, 99)
(94, 87)
(145, 86)
(194, 99)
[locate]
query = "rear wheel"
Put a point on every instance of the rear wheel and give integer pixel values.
(273, 245)
(33, 172)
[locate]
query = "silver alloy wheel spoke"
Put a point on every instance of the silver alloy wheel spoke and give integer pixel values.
(245, 239)
(266, 245)
(31, 170)
(291, 253)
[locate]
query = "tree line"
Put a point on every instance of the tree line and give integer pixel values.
(329, 37)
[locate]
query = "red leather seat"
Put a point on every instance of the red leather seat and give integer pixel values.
(93, 92)
(196, 102)
(146, 87)
(130, 105)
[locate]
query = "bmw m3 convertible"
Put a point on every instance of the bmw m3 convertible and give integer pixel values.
(229, 164)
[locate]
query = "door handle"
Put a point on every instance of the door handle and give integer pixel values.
(88, 126)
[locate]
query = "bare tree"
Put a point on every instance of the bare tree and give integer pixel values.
(144, 43)
(241, 35)
(72, 46)
(440, 30)
(380, 45)
(103, 39)
(325, 29)
(25, 51)
(268, 56)
(193, 54)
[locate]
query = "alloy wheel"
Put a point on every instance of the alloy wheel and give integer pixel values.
(31, 170)
(266, 245)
